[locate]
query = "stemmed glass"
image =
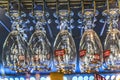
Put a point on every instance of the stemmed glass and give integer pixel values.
(64, 46)
(81, 22)
(112, 41)
(39, 44)
(15, 54)
(90, 49)
(70, 20)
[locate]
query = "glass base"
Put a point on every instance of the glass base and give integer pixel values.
(40, 68)
(66, 69)
(89, 68)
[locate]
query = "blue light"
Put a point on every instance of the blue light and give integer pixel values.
(91, 78)
(5, 79)
(22, 78)
(74, 78)
(85, 77)
(2, 71)
(4, 26)
(107, 77)
(103, 75)
(2, 78)
(11, 79)
(80, 78)
(16, 78)
(32, 78)
(43, 78)
(64, 78)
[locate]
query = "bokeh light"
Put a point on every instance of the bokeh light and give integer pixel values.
(112, 77)
(48, 78)
(107, 77)
(91, 78)
(43, 78)
(80, 78)
(64, 78)
(32, 78)
(74, 78)
(85, 77)
(118, 77)
(5, 79)
(22, 78)
(16, 78)
(11, 79)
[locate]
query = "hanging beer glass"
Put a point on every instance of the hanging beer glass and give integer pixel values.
(39, 44)
(15, 54)
(112, 41)
(64, 46)
(90, 49)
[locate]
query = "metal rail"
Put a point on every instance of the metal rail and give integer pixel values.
(51, 4)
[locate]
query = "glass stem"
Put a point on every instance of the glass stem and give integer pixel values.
(39, 26)
(113, 25)
(64, 25)
(88, 24)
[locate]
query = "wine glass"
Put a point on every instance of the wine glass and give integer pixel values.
(39, 44)
(90, 49)
(64, 47)
(81, 22)
(15, 54)
(70, 20)
(112, 41)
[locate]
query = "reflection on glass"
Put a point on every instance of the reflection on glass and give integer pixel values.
(112, 41)
(64, 47)
(70, 20)
(40, 46)
(90, 46)
(15, 53)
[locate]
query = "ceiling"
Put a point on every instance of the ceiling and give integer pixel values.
(51, 4)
